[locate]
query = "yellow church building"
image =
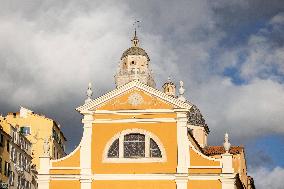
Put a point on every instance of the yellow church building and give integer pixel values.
(139, 137)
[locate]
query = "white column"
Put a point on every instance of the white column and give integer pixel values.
(85, 154)
(228, 176)
(183, 160)
(228, 181)
(43, 173)
(181, 183)
(182, 143)
(227, 163)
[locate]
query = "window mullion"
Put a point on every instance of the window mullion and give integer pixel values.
(121, 146)
(147, 146)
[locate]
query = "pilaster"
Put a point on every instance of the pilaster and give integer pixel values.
(227, 163)
(228, 181)
(183, 161)
(181, 181)
(43, 173)
(85, 154)
(228, 177)
(182, 143)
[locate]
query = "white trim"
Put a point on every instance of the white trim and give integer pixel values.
(142, 111)
(182, 143)
(133, 160)
(86, 152)
(136, 120)
(228, 181)
(65, 168)
(129, 160)
(204, 177)
(133, 84)
(170, 176)
(205, 167)
(121, 150)
(147, 147)
(65, 177)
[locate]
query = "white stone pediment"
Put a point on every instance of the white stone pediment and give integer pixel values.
(91, 105)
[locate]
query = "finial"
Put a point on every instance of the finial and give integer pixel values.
(89, 93)
(135, 40)
(181, 92)
(169, 79)
(226, 144)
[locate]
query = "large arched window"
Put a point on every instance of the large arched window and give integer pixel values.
(134, 145)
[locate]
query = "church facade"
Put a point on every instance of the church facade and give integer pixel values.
(137, 136)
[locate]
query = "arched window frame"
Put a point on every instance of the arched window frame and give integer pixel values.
(147, 158)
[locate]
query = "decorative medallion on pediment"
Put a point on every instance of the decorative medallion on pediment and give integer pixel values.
(135, 99)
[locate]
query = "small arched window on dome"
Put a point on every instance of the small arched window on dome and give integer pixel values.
(133, 147)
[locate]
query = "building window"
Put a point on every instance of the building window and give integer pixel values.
(12, 178)
(2, 140)
(0, 165)
(154, 149)
(25, 130)
(134, 146)
(113, 151)
(7, 169)
(8, 146)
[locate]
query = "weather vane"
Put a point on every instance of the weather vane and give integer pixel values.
(136, 24)
(135, 40)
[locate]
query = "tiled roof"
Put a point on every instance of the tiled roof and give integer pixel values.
(217, 150)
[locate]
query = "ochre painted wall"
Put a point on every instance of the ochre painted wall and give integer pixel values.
(159, 184)
(204, 184)
(103, 132)
(196, 159)
(72, 160)
(63, 184)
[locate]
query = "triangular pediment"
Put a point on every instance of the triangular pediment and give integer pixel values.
(134, 95)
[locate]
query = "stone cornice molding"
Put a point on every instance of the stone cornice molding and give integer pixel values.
(90, 106)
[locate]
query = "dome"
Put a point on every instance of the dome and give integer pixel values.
(135, 51)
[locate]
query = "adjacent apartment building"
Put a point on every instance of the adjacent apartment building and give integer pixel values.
(37, 128)
(16, 159)
(5, 139)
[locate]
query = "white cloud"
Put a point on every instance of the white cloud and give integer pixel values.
(244, 111)
(265, 178)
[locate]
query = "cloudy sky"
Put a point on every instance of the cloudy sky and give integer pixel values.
(230, 55)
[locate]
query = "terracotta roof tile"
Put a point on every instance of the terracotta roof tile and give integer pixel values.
(217, 150)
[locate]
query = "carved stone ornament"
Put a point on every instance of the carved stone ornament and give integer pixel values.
(195, 118)
(46, 148)
(226, 143)
(135, 99)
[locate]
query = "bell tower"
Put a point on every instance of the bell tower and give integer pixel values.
(134, 64)
(170, 88)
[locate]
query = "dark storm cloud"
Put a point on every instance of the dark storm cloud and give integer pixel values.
(234, 15)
